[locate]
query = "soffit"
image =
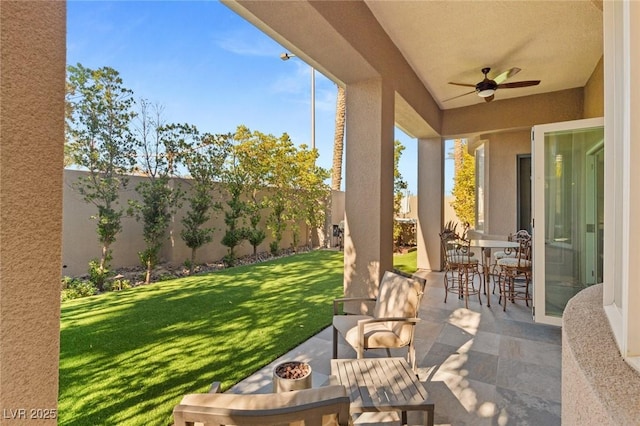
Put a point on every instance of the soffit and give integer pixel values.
(557, 42)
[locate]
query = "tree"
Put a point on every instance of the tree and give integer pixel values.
(464, 187)
(338, 140)
(156, 151)
(399, 186)
(99, 111)
(282, 171)
(204, 157)
(235, 233)
(251, 161)
(309, 192)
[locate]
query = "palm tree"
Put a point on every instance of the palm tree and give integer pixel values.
(338, 141)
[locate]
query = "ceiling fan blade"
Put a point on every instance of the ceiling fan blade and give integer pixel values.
(507, 74)
(517, 84)
(488, 98)
(459, 96)
(462, 84)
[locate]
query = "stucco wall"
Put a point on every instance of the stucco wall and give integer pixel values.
(32, 36)
(515, 113)
(502, 186)
(594, 93)
(598, 387)
(80, 239)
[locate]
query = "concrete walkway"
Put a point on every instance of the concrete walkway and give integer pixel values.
(481, 366)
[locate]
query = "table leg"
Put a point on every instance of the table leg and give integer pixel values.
(431, 414)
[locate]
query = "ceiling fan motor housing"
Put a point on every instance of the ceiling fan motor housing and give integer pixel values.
(486, 88)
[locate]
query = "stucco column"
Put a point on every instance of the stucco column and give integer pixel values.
(368, 235)
(33, 37)
(430, 202)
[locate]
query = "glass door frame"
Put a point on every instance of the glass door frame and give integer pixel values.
(538, 194)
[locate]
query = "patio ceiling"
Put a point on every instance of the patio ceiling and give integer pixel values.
(557, 42)
(430, 43)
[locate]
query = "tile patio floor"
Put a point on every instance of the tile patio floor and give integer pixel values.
(481, 366)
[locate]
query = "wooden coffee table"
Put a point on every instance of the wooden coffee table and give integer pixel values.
(382, 384)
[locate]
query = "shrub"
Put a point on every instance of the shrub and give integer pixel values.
(188, 264)
(274, 248)
(165, 277)
(229, 260)
(117, 285)
(73, 288)
(97, 275)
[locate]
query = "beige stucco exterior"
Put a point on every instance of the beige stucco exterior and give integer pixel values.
(594, 93)
(32, 37)
(501, 189)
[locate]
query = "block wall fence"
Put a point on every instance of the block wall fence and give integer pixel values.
(80, 240)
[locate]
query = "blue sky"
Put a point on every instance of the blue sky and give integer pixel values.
(209, 67)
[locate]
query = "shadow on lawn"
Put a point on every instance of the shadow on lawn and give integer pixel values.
(128, 357)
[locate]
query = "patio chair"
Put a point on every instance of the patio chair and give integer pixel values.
(328, 405)
(460, 267)
(521, 235)
(393, 318)
(515, 275)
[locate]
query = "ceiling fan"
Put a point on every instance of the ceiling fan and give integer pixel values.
(487, 87)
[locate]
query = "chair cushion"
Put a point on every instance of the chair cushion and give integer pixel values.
(344, 323)
(514, 262)
(462, 260)
(376, 335)
(459, 253)
(502, 254)
(398, 296)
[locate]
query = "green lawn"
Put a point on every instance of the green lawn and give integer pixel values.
(406, 262)
(127, 358)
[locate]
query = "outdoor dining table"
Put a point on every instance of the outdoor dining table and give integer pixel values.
(490, 244)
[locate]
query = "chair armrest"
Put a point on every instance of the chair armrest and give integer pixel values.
(362, 322)
(337, 302)
(215, 387)
(413, 321)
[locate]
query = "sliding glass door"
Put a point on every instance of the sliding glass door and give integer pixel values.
(568, 213)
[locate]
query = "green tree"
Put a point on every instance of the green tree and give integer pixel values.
(99, 111)
(235, 210)
(310, 193)
(464, 188)
(204, 157)
(236, 177)
(399, 188)
(256, 169)
(159, 200)
(282, 171)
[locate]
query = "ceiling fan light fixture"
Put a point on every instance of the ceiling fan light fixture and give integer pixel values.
(486, 89)
(486, 93)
